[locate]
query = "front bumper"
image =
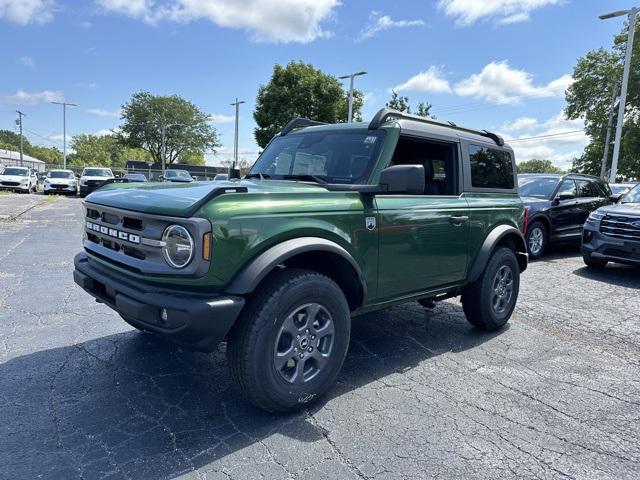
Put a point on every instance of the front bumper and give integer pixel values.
(602, 247)
(60, 189)
(17, 188)
(197, 321)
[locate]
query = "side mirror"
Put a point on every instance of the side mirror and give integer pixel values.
(403, 179)
(566, 196)
(615, 197)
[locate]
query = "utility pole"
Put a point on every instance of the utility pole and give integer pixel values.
(351, 76)
(64, 129)
(19, 122)
(625, 81)
(162, 146)
(236, 104)
(607, 141)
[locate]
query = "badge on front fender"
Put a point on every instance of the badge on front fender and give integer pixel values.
(370, 223)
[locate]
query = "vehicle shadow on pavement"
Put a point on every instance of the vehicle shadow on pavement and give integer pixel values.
(613, 274)
(559, 251)
(132, 405)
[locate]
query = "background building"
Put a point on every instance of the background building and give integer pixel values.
(9, 157)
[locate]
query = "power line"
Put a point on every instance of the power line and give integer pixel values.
(563, 134)
(56, 142)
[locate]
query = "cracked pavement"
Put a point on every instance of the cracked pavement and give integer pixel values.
(422, 393)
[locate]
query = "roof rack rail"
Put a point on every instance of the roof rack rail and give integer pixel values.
(385, 114)
(299, 122)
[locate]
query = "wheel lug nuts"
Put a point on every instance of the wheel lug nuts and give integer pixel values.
(313, 337)
(302, 355)
(297, 336)
(295, 350)
(310, 349)
(307, 330)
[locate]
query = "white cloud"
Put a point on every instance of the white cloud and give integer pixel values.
(431, 80)
(467, 12)
(220, 118)
(105, 132)
(25, 98)
(277, 21)
(498, 82)
(104, 113)
(27, 62)
(380, 23)
(556, 139)
(24, 12)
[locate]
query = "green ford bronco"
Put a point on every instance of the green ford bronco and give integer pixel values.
(332, 221)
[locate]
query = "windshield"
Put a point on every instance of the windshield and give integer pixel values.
(620, 188)
(20, 172)
(60, 175)
(334, 157)
(540, 187)
(177, 174)
(97, 172)
(632, 196)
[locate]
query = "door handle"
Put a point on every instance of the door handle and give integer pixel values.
(458, 220)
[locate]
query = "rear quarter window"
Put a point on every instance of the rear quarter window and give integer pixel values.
(491, 168)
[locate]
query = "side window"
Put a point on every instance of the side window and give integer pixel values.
(567, 187)
(439, 160)
(491, 168)
(586, 189)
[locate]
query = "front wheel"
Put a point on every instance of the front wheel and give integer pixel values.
(489, 301)
(536, 238)
(291, 340)
(592, 263)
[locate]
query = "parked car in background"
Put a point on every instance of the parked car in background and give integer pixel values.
(221, 177)
(180, 176)
(135, 177)
(619, 189)
(92, 178)
(558, 205)
(61, 182)
(612, 233)
(19, 179)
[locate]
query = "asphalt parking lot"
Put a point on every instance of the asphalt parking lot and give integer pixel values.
(422, 393)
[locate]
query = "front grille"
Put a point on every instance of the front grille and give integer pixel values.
(10, 184)
(94, 183)
(621, 226)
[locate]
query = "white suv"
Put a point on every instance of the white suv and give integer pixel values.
(92, 178)
(60, 181)
(19, 179)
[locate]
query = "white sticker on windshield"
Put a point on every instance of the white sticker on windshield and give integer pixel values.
(370, 139)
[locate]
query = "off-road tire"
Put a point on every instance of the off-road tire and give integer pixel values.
(253, 341)
(477, 297)
(533, 229)
(593, 263)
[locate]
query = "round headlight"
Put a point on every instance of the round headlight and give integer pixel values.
(178, 246)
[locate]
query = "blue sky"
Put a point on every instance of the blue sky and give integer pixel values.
(496, 64)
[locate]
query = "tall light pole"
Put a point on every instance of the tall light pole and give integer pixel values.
(625, 81)
(236, 104)
(64, 129)
(19, 122)
(351, 76)
(607, 140)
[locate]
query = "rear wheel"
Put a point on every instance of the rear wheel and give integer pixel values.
(489, 301)
(291, 340)
(536, 238)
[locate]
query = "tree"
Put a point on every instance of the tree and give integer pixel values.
(168, 127)
(401, 103)
(300, 90)
(589, 96)
(103, 151)
(538, 166)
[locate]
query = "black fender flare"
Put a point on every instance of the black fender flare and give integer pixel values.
(543, 218)
(257, 269)
(489, 244)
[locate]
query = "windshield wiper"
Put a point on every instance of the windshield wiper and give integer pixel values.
(261, 176)
(314, 178)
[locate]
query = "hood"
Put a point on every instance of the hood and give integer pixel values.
(535, 204)
(180, 199)
(12, 178)
(102, 179)
(61, 181)
(632, 209)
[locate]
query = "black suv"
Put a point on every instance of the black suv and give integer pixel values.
(612, 234)
(558, 206)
